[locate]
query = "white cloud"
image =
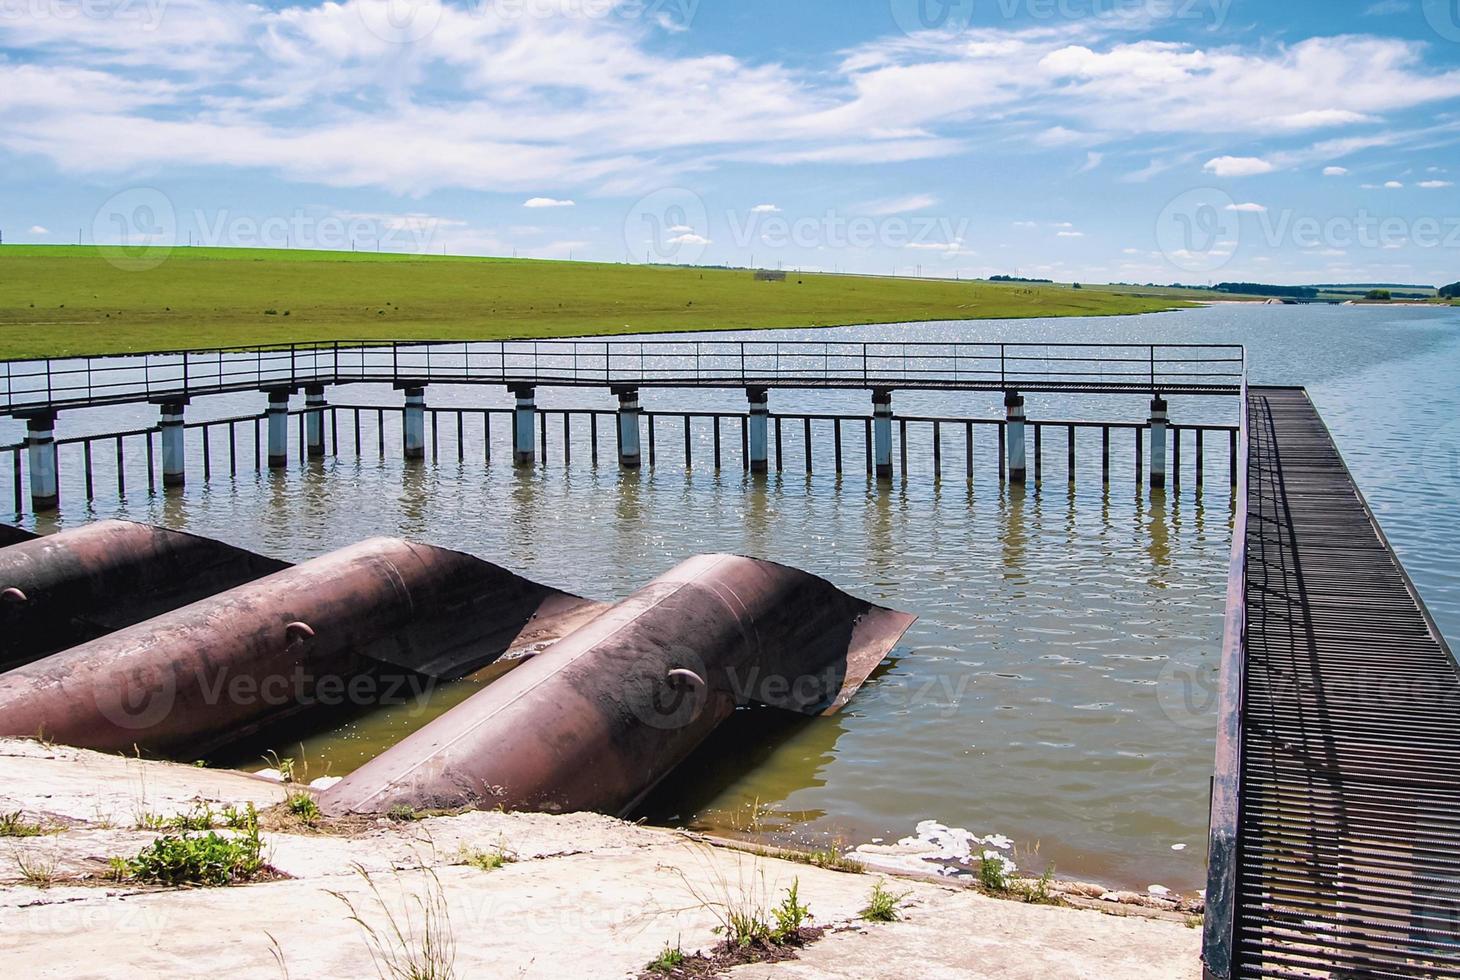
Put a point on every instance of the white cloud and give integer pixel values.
(598, 104)
(1436, 184)
(765, 209)
(547, 202)
(1248, 208)
(1335, 171)
(1026, 224)
(1092, 160)
(689, 238)
(38, 230)
(1393, 185)
(1386, 8)
(901, 205)
(1237, 166)
(1070, 234)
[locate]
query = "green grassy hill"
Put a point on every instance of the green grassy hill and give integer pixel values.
(89, 299)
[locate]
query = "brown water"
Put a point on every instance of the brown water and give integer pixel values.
(1058, 685)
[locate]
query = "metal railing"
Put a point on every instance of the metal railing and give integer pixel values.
(1219, 923)
(235, 444)
(43, 384)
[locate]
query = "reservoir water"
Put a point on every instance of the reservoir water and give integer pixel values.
(1059, 685)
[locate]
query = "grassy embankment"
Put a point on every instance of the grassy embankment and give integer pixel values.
(73, 299)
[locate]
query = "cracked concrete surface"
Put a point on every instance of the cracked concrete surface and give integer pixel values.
(588, 896)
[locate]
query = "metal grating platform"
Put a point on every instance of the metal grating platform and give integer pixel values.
(1347, 847)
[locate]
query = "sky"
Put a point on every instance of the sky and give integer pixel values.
(1189, 141)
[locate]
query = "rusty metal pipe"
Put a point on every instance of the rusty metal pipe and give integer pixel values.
(221, 668)
(604, 714)
(91, 581)
(10, 534)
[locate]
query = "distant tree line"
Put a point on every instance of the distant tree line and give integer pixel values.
(1016, 279)
(1451, 291)
(1261, 289)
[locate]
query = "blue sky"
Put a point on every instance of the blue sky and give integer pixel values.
(1097, 140)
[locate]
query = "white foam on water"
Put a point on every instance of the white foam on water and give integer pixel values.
(937, 848)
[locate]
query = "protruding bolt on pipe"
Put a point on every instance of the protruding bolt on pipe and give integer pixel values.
(314, 405)
(278, 429)
(414, 427)
(882, 433)
(1158, 443)
(297, 634)
(1014, 410)
(174, 453)
(628, 427)
(40, 442)
(524, 441)
(759, 441)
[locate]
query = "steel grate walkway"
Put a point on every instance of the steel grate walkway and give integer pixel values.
(1347, 847)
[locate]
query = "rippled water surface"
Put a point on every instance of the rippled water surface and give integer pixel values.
(1056, 686)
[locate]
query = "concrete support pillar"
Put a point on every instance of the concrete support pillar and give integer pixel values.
(524, 442)
(758, 436)
(1158, 443)
(174, 453)
(314, 403)
(40, 443)
(882, 433)
(414, 427)
(1014, 409)
(278, 430)
(628, 427)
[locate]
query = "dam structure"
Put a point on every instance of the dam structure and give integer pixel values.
(41, 391)
(1335, 792)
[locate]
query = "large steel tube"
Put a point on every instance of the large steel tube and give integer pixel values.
(74, 586)
(10, 534)
(221, 668)
(600, 717)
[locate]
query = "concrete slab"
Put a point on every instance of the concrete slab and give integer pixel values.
(588, 896)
